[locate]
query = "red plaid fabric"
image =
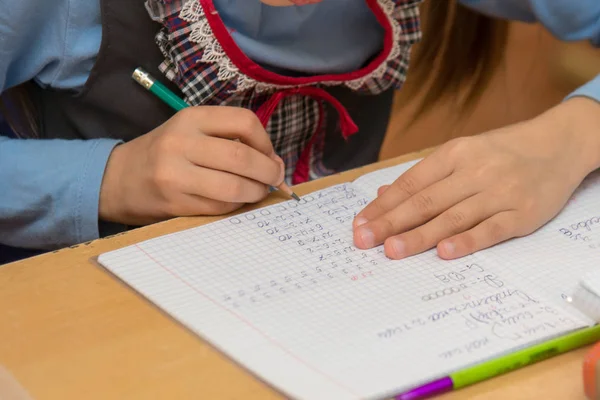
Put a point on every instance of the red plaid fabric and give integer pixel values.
(201, 58)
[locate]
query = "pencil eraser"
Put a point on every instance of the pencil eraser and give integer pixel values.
(591, 373)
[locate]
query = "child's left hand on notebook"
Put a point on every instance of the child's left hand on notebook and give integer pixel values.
(475, 192)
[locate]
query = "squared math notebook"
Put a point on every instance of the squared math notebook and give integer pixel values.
(282, 291)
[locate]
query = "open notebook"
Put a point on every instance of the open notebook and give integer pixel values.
(283, 291)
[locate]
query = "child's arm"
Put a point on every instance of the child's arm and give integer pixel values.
(49, 188)
(475, 192)
(566, 19)
(53, 192)
(49, 195)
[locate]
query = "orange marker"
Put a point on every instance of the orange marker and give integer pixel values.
(591, 373)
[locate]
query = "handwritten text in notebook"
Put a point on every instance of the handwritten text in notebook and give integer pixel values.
(556, 256)
(283, 291)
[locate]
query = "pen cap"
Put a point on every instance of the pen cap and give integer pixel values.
(591, 373)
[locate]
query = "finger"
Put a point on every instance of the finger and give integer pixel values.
(184, 205)
(230, 123)
(190, 205)
(221, 186)
(416, 211)
(236, 158)
(421, 175)
(496, 229)
(455, 220)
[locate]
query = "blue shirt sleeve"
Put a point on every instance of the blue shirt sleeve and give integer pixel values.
(569, 20)
(54, 43)
(49, 189)
(52, 191)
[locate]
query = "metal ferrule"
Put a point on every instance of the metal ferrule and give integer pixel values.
(143, 78)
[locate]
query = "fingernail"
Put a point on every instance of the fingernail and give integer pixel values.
(275, 156)
(281, 177)
(360, 221)
(279, 160)
(449, 248)
(399, 247)
(367, 238)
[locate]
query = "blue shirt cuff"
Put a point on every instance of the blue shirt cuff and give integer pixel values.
(89, 183)
(590, 90)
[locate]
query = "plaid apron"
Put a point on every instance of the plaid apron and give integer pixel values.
(203, 60)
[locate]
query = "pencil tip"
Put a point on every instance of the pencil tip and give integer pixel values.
(295, 196)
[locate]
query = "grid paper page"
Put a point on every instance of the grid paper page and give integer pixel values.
(554, 258)
(559, 254)
(586, 299)
(591, 282)
(283, 291)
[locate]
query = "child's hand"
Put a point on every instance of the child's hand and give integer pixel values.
(475, 192)
(190, 166)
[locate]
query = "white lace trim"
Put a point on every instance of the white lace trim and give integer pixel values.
(193, 13)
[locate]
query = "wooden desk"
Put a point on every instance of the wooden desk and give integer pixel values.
(69, 330)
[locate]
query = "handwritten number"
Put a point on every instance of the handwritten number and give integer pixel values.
(456, 276)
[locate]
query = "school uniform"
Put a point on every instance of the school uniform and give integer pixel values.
(325, 101)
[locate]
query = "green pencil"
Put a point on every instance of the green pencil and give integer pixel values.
(162, 92)
(527, 356)
(503, 364)
(158, 89)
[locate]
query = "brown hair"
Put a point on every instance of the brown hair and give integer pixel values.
(17, 109)
(457, 57)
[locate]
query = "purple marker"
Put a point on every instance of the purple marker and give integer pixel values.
(430, 389)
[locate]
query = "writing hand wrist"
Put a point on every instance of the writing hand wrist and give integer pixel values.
(110, 204)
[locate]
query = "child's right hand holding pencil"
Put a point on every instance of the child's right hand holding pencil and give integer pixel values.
(190, 166)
